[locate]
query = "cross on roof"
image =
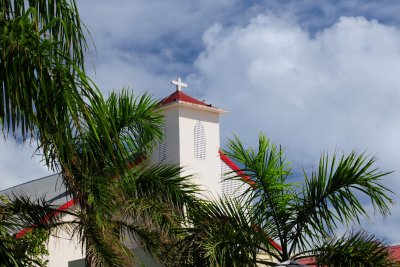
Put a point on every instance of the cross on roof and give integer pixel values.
(179, 84)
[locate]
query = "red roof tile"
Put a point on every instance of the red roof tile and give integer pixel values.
(181, 96)
(395, 252)
(309, 261)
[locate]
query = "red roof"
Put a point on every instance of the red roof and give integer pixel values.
(309, 261)
(181, 96)
(394, 252)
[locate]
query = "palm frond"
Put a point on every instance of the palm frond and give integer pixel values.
(270, 194)
(329, 196)
(136, 120)
(223, 233)
(355, 249)
(25, 227)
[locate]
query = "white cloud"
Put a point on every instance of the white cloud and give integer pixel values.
(19, 164)
(144, 22)
(336, 90)
(144, 44)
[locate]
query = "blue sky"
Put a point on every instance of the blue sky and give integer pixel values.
(314, 76)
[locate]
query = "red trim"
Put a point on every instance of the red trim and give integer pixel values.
(247, 179)
(274, 244)
(235, 168)
(72, 202)
(68, 204)
(59, 210)
(309, 261)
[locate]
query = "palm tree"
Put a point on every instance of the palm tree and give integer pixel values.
(46, 96)
(29, 250)
(116, 210)
(42, 46)
(44, 91)
(141, 204)
(277, 220)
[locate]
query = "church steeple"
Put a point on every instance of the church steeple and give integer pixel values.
(180, 97)
(191, 137)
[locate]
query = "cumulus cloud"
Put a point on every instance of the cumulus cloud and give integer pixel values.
(336, 90)
(339, 88)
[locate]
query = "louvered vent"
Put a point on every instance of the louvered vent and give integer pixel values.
(231, 187)
(162, 146)
(199, 141)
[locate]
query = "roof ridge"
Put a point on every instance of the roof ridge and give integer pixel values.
(31, 181)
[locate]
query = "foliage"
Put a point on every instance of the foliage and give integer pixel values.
(33, 244)
(42, 46)
(277, 220)
(219, 234)
(140, 204)
(116, 209)
(29, 250)
(46, 95)
(44, 91)
(356, 249)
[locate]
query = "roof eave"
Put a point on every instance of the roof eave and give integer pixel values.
(179, 103)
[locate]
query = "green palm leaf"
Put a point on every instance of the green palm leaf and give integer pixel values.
(301, 219)
(355, 249)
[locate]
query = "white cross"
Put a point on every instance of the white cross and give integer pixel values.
(179, 84)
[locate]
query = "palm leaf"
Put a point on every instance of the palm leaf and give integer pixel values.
(355, 249)
(329, 196)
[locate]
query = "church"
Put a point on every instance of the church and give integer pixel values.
(191, 140)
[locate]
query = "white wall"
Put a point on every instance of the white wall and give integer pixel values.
(180, 121)
(207, 172)
(62, 248)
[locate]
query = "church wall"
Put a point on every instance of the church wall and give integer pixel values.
(171, 138)
(62, 249)
(206, 171)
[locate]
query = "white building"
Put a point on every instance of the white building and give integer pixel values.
(191, 139)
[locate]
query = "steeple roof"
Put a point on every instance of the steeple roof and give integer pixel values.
(179, 96)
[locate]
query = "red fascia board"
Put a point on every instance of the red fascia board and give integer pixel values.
(247, 179)
(274, 244)
(60, 209)
(68, 204)
(137, 161)
(235, 168)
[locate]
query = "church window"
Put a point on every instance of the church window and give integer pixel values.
(199, 141)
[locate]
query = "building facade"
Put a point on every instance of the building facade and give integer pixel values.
(191, 140)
